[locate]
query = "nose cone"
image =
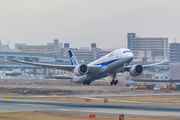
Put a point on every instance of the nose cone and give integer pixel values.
(131, 56)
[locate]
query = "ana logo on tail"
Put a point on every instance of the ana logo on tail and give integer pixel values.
(73, 58)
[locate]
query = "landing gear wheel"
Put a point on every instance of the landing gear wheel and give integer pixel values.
(85, 82)
(111, 83)
(116, 82)
(88, 82)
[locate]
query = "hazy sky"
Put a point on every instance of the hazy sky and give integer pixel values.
(81, 22)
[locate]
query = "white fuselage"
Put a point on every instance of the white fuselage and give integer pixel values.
(110, 63)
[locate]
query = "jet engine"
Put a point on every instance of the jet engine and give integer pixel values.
(136, 70)
(81, 69)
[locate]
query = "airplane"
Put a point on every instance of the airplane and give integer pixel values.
(110, 64)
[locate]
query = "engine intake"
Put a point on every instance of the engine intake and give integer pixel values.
(136, 70)
(81, 69)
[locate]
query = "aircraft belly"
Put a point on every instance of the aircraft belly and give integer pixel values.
(100, 75)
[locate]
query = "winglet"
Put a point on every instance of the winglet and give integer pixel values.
(73, 58)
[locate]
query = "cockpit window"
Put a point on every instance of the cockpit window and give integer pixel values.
(127, 51)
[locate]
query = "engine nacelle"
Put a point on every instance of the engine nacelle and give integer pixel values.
(81, 69)
(136, 70)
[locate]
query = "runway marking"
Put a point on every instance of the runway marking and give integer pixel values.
(28, 104)
(114, 100)
(104, 112)
(102, 95)
(128, 101)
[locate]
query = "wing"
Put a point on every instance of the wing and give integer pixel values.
(127, 68)
(51, 66)
(153, 64)
(144, 66)
(92, 69)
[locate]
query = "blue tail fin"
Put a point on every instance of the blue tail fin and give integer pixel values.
(73, 58)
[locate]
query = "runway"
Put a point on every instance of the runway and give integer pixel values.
(13, 105)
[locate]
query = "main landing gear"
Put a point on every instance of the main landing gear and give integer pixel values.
(87, 82)
(113, 82)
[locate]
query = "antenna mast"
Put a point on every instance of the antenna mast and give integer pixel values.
(175, 39)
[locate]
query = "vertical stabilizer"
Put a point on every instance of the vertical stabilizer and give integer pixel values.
(73, 58)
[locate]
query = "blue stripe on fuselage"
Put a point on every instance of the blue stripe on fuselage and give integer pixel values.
(108, 62)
